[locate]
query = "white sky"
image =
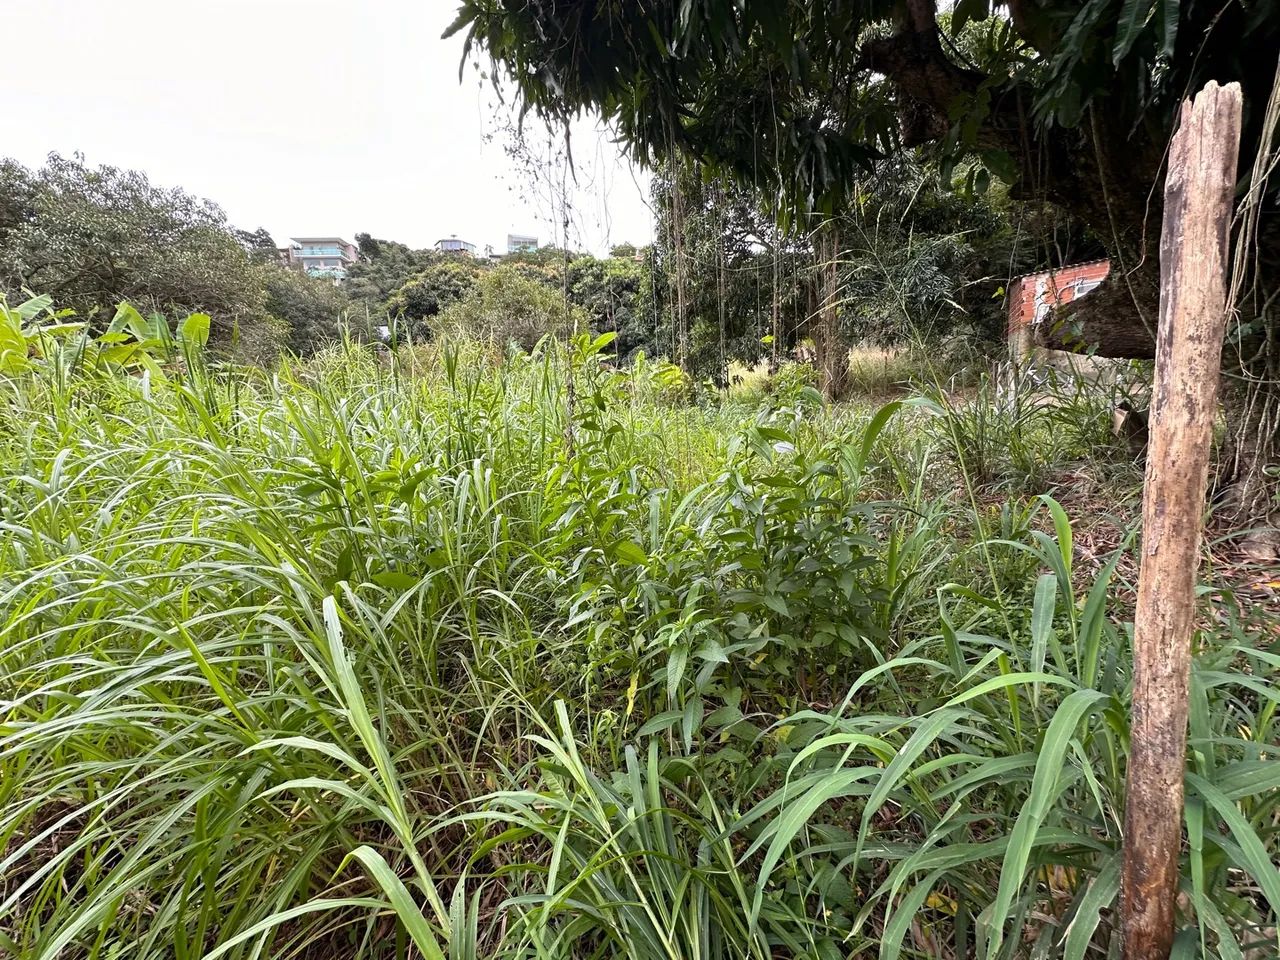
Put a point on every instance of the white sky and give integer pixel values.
(308, 117)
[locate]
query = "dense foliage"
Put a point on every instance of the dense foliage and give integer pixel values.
(506, 307)
(96, 236)
(524, 296)
(390, 651)
(383, 268)
(1069, 102)
(93, 236)
(925, 260)
(441, 281)
(916, 261)
(314, 309)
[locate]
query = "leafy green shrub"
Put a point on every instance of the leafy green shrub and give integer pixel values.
(313, 308)
(659, 381)
(99, 235)
(446, 280)
(792, 378)
(504, 306)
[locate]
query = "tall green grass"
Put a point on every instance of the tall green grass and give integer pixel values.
(417, 656)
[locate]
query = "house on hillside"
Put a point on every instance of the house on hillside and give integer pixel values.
(452, 244)
(1034, 295)
(323, 256)
(521, 243)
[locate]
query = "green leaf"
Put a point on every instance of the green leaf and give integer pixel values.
(691, 721)
(128, 318)
(395, 580)
(1100, 896)
(1133, 17)
(195, 329)
(873, 430)
(402, 903)
(284, 916)
(32, 308)
(675, 668)
(1042, 610)
(902, 918)
(1044, 791)
(794, 813)
(630, 552)
(1093, 620)
(1254, 857)
(1062, 527)
(61, 329)
(602, 341)
(660, 722)
(1005, 681)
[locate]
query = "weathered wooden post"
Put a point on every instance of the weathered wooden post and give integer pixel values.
(1193, 311)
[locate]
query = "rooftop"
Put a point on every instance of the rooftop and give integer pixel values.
(1061, 269)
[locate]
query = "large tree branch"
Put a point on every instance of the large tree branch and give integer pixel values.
(1115, 320)
(1093, 172)
(1031, 25)
(912, 58)
(1072, 168)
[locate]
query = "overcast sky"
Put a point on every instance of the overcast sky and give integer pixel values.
(308, 117)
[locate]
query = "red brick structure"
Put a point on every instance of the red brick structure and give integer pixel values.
(1032, 296)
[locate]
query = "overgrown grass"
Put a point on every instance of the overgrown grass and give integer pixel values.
(434, 657)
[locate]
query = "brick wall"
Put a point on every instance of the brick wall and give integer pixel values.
(1033, 296)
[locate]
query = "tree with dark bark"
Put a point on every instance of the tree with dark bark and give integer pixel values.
(1071, 103)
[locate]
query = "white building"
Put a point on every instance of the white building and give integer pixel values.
(452, 244)
(322, 256)
(521, 243)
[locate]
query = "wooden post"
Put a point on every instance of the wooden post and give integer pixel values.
(1193, 310)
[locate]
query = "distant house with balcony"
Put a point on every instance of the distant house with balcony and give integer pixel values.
(521, 243)
(452, 244)
(323, 256)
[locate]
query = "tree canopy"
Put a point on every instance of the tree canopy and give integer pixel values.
(1071, 102)
(383, 268)
(94, 236)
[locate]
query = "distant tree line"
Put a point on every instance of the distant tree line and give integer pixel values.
(544, 291)
(722, 282)
(94, 236)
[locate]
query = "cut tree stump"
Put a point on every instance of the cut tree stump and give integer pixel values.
(1193, 311)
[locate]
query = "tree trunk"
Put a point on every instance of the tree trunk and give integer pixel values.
(1194, 251)
(831, 353)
